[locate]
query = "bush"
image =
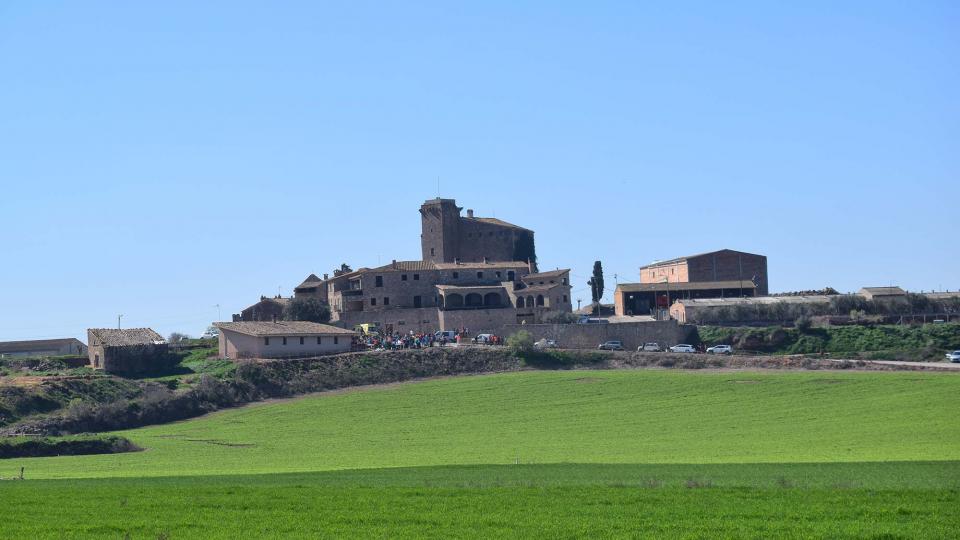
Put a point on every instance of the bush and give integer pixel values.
(803, 324)
(19, 447)
(520, 343)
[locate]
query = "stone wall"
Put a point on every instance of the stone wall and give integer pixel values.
(588, 336)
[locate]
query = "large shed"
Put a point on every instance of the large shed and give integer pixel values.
(126, 351)
(284, 339)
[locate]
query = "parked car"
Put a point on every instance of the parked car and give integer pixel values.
(683, 348)
(953, 356)
(450, 335)
(720, 349)
(545, 344)
(650, 347)
(611, 346)
(483, 338)
(592, 320)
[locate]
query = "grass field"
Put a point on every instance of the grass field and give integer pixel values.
(561, 453)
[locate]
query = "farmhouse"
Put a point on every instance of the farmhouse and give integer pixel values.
(42, 347)
(286, 339)
(883, 293)
(718, 274)
(127, 351)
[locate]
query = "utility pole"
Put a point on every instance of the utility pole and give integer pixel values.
(118, 320)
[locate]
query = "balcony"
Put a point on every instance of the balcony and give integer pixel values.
(353, 292)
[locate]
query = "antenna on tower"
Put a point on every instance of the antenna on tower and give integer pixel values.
(438, 186)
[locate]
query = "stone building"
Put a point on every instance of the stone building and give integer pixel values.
(127, 351)
(42, 348)
(447, 237)
(426, 296)
(883, 293)
(717, 274)
(476, 273)
(267, 309)
(285, 339)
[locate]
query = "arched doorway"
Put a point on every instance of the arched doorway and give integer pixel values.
(474, 300)
(491, 299)
(453, 300)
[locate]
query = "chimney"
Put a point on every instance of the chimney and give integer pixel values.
(394, 263)
(470, 213)
(326, 277)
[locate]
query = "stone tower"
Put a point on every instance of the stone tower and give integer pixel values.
(440, 220)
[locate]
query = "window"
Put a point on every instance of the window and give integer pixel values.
(336, 340)
(386, 300)
(511, 276)
(266, 341)
(479, 275)
(284, 341)
(373, 301)
(403, 277)
(432, 252)
(301, 341)
(416, 277)
(456, 275)
(498, 275)
(417, 302)
(379, 281)
(564, 299)
(318, 341)
(563, 281)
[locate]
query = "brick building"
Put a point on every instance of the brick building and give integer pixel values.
(717, 274)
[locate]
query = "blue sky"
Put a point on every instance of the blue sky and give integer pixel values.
(158, 160)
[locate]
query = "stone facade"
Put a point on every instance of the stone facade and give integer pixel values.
(423, 296)
(267, 309)
(126, 352)
(448, 237)
(588, 336)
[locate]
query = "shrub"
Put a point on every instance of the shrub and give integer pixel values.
(803, 323)
(521, 343)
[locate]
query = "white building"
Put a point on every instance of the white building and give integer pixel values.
(284, 339)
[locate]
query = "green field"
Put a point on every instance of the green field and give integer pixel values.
(556, 453)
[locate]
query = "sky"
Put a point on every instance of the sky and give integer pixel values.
(173, 161)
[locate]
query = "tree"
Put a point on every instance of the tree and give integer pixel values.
(306, 309)
(596, 284)
(177, 337)
(344, 269)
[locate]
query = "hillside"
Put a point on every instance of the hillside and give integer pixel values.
(882, 342)
(558, 453)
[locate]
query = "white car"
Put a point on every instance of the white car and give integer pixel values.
(649, 347)
(953, 356)
(683, 347)
(545, 344)
(720, 349)
(483, 338)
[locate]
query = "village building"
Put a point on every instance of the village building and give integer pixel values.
(127, 351)
(267, 309)
(284, 339)
(446, 236)
(883, 293)
(476, 273)
(38, 348)
(718, 274)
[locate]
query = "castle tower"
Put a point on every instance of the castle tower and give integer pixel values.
(440, 235)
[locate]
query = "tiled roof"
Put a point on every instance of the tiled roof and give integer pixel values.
(884, 291)
(495, 221)
(282, 328)
(545, 275)
(762, 300)
(510, 265)
(685, 286)
(112, 337)
(37, 344)
(404, 266)
(311, 281)
(656, 264)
